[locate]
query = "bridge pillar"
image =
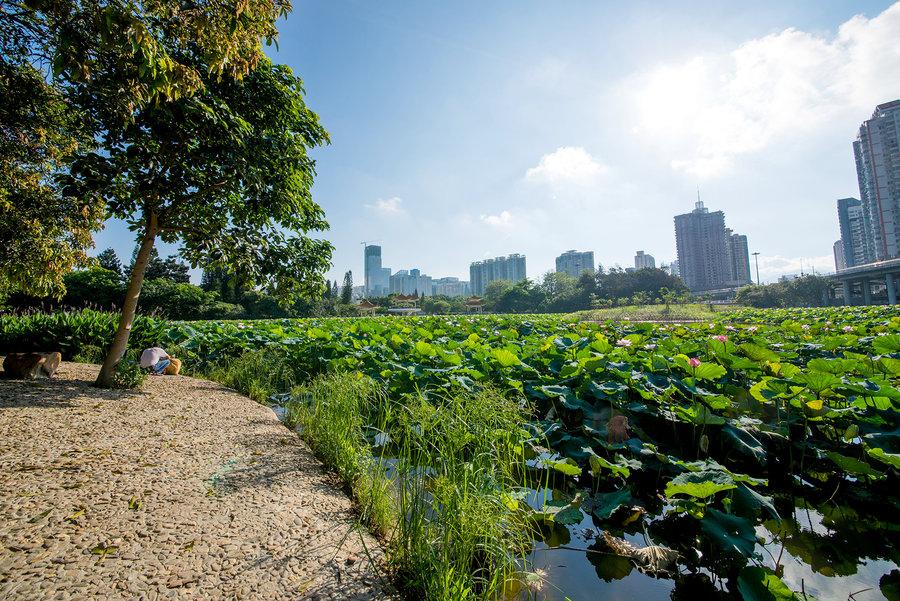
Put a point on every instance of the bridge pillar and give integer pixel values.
(891, 291)
(867, 292)
(848, 298)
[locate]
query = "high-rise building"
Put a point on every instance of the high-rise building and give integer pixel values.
(877, 153)
(575, 263)
(377, 278)
(856, 243)
(409, 282)
(738, 258)
(840, 260)
(482, 273)
(710, 256)
(644, 261)
(451, 287)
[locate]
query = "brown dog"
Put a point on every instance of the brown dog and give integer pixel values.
(28, 366)
(173, 368)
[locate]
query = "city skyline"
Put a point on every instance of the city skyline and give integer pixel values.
(574, 263)
(877, 153)
(455, 160)
(870, 225)
(711, 256)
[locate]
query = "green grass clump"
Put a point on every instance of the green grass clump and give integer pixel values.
(89, 353)
(258, 374)
(439, 488)
(129, 375)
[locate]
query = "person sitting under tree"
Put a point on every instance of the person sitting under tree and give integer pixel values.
(158, 360)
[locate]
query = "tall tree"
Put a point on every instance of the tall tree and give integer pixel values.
(227, 285)
(131, 49)
(347, 290)
(224, 172)
(130, 55)
(108, 259)
(43, 233)
(158, 268)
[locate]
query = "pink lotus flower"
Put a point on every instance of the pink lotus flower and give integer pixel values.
(805, 326)
(694, 362)
(752, 328)
(848, 329)
(649, 347)
(623, 342)
(721, 337)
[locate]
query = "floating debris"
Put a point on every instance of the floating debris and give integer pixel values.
(654, 559)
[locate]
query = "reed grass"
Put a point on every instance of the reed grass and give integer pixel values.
(439, 489)
(258, 374)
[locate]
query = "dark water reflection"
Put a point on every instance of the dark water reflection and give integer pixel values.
(835, 555)
(572, 565)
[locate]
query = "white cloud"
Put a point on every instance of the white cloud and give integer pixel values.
(567, 164)
(388, 206)
(706, 112)
(501, 221)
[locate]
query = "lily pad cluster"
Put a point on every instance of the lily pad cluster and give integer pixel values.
(709, 437)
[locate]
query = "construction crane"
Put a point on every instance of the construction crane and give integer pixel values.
(366, 243)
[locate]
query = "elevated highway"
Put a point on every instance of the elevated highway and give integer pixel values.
(869, 284)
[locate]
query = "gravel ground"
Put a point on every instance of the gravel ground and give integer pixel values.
(183, 490)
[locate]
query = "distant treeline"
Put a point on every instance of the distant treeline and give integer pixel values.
(168, 293)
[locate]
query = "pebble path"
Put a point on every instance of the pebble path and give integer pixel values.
(183, 490)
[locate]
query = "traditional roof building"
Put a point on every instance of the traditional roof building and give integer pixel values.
(474, 304)
(404, 304)
(365, 307)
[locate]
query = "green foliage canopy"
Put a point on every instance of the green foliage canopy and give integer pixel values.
(226, 173)
(43, 234)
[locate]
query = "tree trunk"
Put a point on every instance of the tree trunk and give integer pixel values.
(120, 341)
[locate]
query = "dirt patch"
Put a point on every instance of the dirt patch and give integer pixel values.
(182, 490)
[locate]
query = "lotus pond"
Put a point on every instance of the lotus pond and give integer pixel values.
(755, 456)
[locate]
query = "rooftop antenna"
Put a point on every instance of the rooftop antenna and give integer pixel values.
(699, 206)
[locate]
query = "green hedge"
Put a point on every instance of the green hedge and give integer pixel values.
(69, 332)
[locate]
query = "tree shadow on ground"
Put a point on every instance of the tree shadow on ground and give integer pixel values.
(337, 569)
(277, 457)
(56, 393)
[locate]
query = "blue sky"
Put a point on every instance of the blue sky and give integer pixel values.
(465, 130)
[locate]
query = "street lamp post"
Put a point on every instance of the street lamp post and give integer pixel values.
(756, 260)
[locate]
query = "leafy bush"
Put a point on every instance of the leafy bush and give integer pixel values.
(129, 375)
(184, 301)
(258, 374)
(89, 354)
(71, 331)
(97, 287)
(805, 291)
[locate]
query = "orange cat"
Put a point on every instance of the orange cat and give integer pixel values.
(173, 368)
